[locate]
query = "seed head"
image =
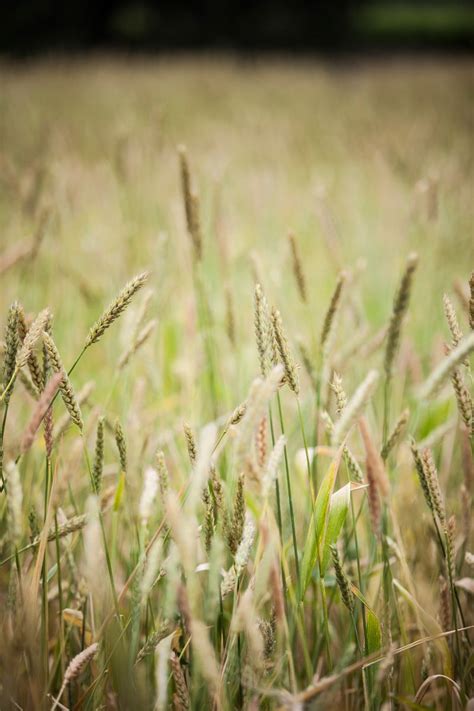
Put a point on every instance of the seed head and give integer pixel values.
(67, 391)
(285, 357)
(400, 306)
(116, 308)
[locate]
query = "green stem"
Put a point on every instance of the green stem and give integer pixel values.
(386, 409)
(277, 483)
(9, 384)
(308, 466)
(104, 539)
(290, 498)
(2, 433)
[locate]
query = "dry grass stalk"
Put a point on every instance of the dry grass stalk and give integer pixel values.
(420, 470)
(76, 667)
(40, 411)
(395, 434)
(14, 502)
(67, 391)
(349, 458)
(285, 357)
(271, 472)
(115, 309)
(31, 338)
(298, 268)
(153, 640)
(259, 397)
(238, 413)
(463, 399)
(235, 526)
(262, 331)
(11, 347)
(190, 443)
(341, 397)
(456, 333)
(75, 523)
(121, 445)
(373, 497)
(28, 384)
(450, 543)
(191, 204)
(181, 700)
(471, 300)
(137, 343)
(35, 369)
(400, 306)
(163, 476)
(431, 477)
(261, 442)
(63, 422)
(440, 374)
(444, 604)
(354, 407)
(343, 583)
(466, 511)
(374, 460)
(98, 465)
(331, 314)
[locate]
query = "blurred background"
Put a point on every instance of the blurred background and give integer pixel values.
(31, 26)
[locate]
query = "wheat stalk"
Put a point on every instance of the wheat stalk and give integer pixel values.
(331, 313)
(40, 411)
(298, 268)
(115, 309)
(354, 407)
(291, 374)
(400, 306)
(75, 668)
(31, 338)
(440, 374)
(65, 386)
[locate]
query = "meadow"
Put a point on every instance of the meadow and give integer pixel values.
(236, 444)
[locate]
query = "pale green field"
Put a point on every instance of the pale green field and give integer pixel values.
(364, 163)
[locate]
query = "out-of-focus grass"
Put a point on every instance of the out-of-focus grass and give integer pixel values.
(335, 153)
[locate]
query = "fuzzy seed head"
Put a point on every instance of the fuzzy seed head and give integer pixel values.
(115, 309)
(31, 338)
(121, 445)
(65, 386)
(400, 306)
(354, 407)
(285, 357)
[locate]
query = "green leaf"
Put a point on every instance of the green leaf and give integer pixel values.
(119, 492)
(319, 523)
(374, 630)
(338, 509)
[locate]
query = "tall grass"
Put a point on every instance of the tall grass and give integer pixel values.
(188, 517)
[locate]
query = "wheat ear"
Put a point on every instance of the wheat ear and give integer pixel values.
(114, 310)
(67, 391)
(76, 667)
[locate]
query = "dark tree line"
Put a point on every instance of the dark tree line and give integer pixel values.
(29, 26)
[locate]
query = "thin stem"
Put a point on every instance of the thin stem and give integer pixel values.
(9, 384)
(290, 498)
(308, 466)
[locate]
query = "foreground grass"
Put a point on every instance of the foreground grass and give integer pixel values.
(214, 512)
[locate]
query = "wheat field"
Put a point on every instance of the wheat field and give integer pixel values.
(237, 307)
